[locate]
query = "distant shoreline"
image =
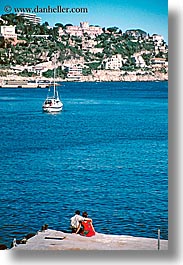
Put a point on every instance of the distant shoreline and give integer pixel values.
(66, 81)
(109, 78)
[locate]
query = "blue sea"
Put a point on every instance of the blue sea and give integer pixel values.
(106, 153)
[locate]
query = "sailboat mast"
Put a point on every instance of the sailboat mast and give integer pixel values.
(54, 85)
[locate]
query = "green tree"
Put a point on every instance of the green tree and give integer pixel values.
(112, 29)
(48, 73)
(86, 71)
(59, 25)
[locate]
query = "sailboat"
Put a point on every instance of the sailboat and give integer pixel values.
(53, 104)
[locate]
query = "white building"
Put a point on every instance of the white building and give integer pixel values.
(74, 31)
(92, 31)
(88, 44)
(8, 32)
(61, 32)
(96, 50)
(74, 72)
(113, 63)
(157, 39)
(139, 61)
(31, 17)
(79, 31)
(159, 62)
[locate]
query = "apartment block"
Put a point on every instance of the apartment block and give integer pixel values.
(113, 63)
(74, 72)
(79, 31)
(31, 17)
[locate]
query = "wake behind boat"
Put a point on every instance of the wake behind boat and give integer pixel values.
(53, 104)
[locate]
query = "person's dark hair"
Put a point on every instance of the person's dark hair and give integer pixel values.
(85, 214)
(77, 212)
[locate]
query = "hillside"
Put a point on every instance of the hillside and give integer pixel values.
(34, 50)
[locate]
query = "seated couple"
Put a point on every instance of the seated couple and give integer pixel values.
(82, 224)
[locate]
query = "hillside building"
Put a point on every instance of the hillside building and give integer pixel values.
(74, 72)
(138, 60)
(79, 31)
(8, 32)
(113, 63)
(136, 33)
(157, 39)
(31, 17)
(159, 62)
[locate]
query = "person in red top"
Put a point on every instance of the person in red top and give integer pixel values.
(86, 226)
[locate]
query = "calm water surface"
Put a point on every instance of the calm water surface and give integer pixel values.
(106, 153)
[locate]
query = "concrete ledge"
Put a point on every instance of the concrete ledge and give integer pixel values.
(58, 240)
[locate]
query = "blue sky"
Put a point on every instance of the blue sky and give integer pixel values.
(150, 16)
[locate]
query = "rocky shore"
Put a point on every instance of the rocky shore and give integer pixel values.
(102, 76)
(120, 76)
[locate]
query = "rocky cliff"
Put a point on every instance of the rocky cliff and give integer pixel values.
(115, 76)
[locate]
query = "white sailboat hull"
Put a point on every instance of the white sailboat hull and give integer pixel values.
(52, 106)
(52, 109)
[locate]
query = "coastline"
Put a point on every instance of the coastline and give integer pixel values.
(99, 76)
(122, 76)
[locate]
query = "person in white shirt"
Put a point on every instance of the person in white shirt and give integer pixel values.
(76, 221)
